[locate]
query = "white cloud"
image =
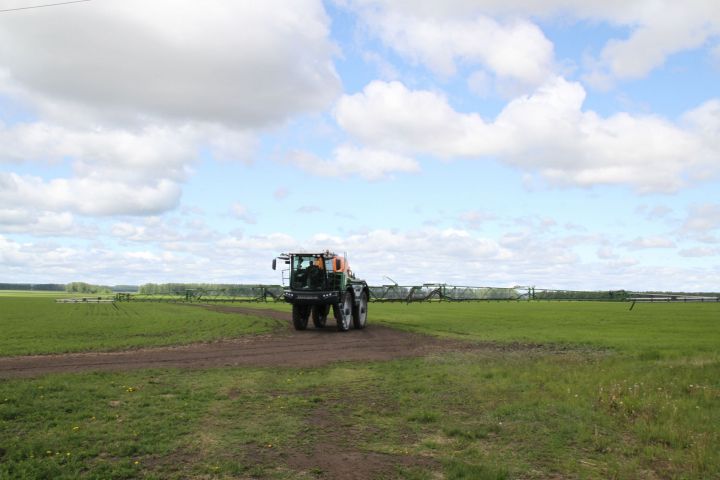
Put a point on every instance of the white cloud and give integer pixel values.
(128, 94)
(547, 133)
(241, 212)
(660, 29)
(241, 63)
(42, 223)
(370, 164)
(309, 209)
(607, 253)
(88, 196)
(389, 116)
(702, 219)
(281, 193)
(454, 256)
(515, 50)
(476, 218)
(657, 29)
(641, 243)
(699, 252)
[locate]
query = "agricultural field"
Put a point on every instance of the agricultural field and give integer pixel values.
(526, 390)
(36, 325)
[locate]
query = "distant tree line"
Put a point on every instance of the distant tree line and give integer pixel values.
(79, 287)
(609, 295)
(82, 287)
(204, 288)
(43, 287)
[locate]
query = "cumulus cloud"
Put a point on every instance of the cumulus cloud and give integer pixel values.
(702, 219)
(241, 212)
(641, 243)
(515, 50)
(129, 93)
(548, 133)
(88, 196)
(657, 30)
(475, 218)
(370, 164)
(43, 223)
(238, 63)
(699, 252)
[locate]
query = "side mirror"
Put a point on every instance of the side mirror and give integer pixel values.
(274, 263)
(338, 264)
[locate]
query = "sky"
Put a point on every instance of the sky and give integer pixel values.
(554, 143)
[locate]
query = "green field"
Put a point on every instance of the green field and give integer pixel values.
(555, 390)
(649, 330)
(33, 324)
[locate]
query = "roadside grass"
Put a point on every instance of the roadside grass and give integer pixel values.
(487, 414)
(38, 325)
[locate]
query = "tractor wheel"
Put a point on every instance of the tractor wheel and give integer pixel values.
(319, 315)
(360, 312)
(300, 315)
(343, 313)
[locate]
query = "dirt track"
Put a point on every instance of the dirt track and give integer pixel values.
(285, 348)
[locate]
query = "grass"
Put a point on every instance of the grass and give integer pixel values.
(626, 397)
(36, 324)
(487, 415)
(655, 330)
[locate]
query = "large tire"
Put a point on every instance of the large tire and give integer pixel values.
(300, 315)
(319, 315)
(343, 312)
(360, 312)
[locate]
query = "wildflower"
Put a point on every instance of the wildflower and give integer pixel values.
(76, 428)
(136, 462)
(68, 454)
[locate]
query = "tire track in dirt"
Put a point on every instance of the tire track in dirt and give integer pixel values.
(285, 348)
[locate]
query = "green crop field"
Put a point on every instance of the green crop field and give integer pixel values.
(553, 390)
(649, 329)
(32, 324)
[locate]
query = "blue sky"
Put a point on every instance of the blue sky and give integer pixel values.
(555, 143)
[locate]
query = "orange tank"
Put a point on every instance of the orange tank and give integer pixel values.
(339, 261)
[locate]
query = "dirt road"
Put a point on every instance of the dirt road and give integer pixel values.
(285, 348)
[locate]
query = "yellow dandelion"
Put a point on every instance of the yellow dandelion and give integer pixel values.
(136, 462)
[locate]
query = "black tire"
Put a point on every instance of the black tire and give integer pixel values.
(319, 315)
(343, 312)
(360, 312)
(300, 315)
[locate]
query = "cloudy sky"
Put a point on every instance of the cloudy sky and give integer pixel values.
(555, 143)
